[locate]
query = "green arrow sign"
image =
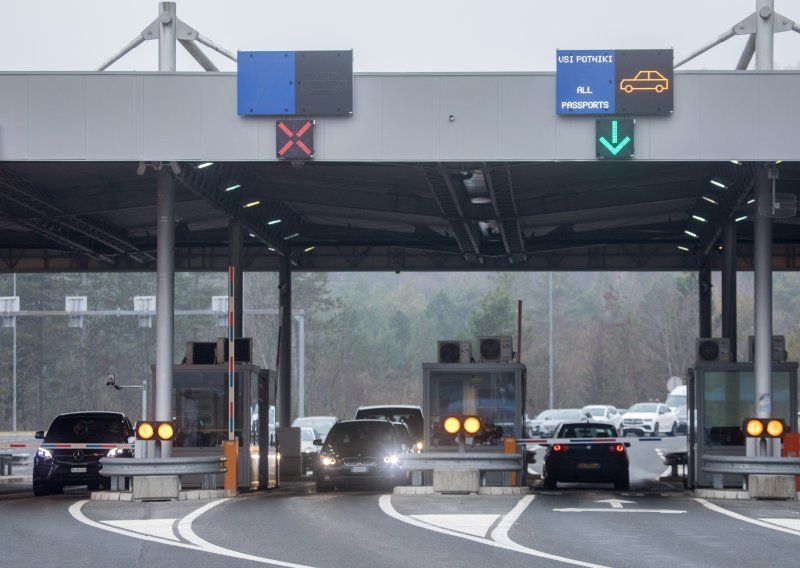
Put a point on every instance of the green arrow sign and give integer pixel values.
(614, 138)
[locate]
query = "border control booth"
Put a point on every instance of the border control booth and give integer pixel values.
(200, 411)
(721, 397)
(494, 392)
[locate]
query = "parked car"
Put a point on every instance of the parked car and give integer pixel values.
(320, 424)
(54, 468)
(649, 418)
(605, 413)
(560, 415)
(360, 453)
(411, 414)
(676, 398)
(308, 451)
(534, 425)
(575, 456)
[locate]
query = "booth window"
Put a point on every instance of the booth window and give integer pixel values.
(729, 398)
(201, 409)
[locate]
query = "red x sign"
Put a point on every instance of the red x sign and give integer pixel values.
(294, 139)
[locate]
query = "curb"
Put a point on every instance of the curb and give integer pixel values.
(188, 495)
(428, 490)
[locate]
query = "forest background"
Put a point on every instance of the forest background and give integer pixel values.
(617, 336)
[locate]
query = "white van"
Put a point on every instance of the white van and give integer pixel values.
(676, 398)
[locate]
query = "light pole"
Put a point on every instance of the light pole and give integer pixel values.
(111, 381)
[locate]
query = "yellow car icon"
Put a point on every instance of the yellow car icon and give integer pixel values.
(645, 81)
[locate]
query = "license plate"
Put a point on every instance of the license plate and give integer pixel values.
(588, 466)
(78, 470)
(359, 469)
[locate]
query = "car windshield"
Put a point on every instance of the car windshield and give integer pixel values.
(644, 407)
(544, 415)
(566, 415)
(360, 434)
(675, 400)
(88, 428)
(411, 417)
(307, 434)
(588, 431)
(596, 410)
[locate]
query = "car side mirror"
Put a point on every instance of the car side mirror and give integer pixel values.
(318, 442)
(39, 435)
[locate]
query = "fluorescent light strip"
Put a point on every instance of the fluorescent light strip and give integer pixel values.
(293, 235)
(204, 165)
(742, 218)
(231, 188)
(709, 200)
(751, 201)
(718, 184)
(691, 234)
(699, 218)
(683, 248)
(273, 222)
(308, 249)
(252, 204)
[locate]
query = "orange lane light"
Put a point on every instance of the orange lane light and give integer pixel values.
(764, 427)
(472, 425)
(452, 425)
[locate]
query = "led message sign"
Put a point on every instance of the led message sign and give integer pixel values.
(632, 81)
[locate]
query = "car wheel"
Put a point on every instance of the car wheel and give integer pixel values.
(674, 431)
(622, 483)
(324, 487)
(549, 482)
(40, 489)
(655, 431)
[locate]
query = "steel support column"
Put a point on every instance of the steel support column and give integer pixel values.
(285, 347)
(763, 295)
(235, 249)
(704, 299)
(729, 285)
(165, 299)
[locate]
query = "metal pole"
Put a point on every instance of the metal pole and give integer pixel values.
(729, 285)
(165, 296)
(704, 299)
(301, 365)
(14, 368)
(285, 348)
(765, 17)
(550, 358)
(763, 295)
(167, 38)
(235, 248)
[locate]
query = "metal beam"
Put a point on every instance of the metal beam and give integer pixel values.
(60, 226)
(464, 232)
(498, 181)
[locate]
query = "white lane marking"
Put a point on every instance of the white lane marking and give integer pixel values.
(659, 511)
(184, 529)
(615, 503)
(476, 525)
(737, 516)
(386, 506)
(154, 527)
(793, 524)
(77, 514)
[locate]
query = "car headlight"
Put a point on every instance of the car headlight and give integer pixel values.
(419, 446)
(44, 454)
(328, 460)
(308, 451)
(391, 459)
(115, 453)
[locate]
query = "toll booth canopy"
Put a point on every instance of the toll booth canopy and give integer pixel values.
(494, 392)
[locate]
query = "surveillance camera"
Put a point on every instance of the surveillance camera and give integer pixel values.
(111, 380)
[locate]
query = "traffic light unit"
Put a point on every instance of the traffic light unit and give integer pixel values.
(763, 427)
(470, 424)
(150, 430)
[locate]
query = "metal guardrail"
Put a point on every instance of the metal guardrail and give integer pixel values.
(446, 460)
(744, 465)
(122, 469)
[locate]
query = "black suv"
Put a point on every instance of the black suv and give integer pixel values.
(54, 467)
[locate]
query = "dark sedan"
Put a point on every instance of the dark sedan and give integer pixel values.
(586, 452)
(85, 438)
(360, 453)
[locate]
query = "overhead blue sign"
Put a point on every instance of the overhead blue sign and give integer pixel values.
(585, 82)
(632, 81)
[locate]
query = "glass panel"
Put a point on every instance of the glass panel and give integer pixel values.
(729, 398)
(201, 408)
(487, 395)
